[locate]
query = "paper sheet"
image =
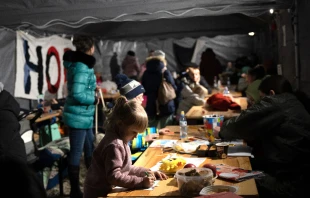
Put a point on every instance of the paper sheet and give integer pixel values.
(163, 143)
(240, 151)
(121, 189)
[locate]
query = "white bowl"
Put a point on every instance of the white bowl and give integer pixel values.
(217, 189)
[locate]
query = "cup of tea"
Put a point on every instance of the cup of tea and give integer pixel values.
(222, 150)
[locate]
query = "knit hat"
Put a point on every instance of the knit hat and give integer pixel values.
(128, 87)
(159, 53)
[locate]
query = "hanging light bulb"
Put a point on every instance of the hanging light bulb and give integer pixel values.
(271, 11)
(251, 33)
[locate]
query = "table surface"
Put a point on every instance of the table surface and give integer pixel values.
(196, 112)
(169, 187)
(46, 116)
(234, 94)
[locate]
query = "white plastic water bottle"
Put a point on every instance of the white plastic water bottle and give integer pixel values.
(228, 82)
(215, 82)
(226, 91)
(183, 126)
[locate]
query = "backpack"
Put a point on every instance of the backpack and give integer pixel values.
(166, 92)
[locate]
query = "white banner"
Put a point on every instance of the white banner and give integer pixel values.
(39, 67)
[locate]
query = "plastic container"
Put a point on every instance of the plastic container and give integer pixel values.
(192, 185)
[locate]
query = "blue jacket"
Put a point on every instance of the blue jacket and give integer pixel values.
(151, 81)
(81, 83)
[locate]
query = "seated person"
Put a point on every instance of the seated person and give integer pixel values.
(279, 125)
(192, 97)
(254, 78)
(14, 170)
(192, 76)
(111, 164)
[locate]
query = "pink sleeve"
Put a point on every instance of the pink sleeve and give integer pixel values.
(115, 169)
(137, 170)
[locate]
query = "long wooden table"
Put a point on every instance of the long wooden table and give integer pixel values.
(169, 187)
(233, 93)
(46, 116)
(194, 115)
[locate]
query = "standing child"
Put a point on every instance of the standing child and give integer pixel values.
(111, 165)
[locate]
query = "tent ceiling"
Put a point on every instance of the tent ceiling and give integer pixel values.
(166, 28)
(133, 18)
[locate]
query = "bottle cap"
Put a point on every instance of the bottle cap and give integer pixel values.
(182, 112)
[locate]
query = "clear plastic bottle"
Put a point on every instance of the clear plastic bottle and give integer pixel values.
(215, 82)
(226, 91)
(219, 84)
(228, 82)
(183, 126)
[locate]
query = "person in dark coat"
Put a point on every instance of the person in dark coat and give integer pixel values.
(156, 70)
(14, 169)
(115, 68)
(279, 124)
(210, 66)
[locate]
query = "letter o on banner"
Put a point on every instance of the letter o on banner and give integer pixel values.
(52, 52)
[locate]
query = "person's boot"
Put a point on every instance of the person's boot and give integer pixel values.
(87, 161)
(74, 173)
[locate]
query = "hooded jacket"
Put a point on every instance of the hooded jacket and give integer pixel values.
(151, 81)
(130, 66)
(11, 143)
(189, 99)
(281, 125)
(81, 84)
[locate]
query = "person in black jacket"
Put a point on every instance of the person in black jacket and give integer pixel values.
(280, 127)
(156, 70)
(14, 170)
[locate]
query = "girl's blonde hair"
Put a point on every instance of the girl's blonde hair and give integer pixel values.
(125, 114)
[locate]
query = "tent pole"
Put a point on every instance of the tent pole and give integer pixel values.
(297, 63)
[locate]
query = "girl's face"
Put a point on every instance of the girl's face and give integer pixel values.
(130, 134)
(139, 98)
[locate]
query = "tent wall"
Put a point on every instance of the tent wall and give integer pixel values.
(286, 46)
(304, 43)
(287, 53)
(227, 48)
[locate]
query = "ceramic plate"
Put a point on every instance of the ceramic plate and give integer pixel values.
(209, 190)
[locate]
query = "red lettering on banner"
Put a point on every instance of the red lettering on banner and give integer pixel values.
(52, 51)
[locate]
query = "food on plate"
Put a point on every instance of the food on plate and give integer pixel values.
(189, 165)
(212, 167)
(185, 147)
(172, 165)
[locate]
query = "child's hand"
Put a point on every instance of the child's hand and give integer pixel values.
(148, 181)
(164, 131)
(160, 175)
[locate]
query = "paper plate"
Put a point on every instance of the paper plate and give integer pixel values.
(209, 190)
(185, 147)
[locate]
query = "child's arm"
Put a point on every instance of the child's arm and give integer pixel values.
(117, 168)
(137, 170)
